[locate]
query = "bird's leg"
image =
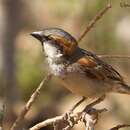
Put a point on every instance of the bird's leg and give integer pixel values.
(67, 114)
(89, 106)
(77, 104)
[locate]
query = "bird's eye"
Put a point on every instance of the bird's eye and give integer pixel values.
(48, 37)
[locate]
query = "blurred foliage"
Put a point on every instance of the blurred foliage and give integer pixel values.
(72, 16)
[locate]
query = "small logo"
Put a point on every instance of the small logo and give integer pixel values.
(124, 4)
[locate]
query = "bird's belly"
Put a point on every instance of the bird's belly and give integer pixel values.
(81, 84)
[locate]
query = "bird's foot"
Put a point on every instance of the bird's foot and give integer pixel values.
(67, 118)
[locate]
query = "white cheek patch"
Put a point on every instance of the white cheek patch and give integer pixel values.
(51, 51)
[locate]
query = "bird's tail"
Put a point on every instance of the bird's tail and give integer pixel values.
(122, 88)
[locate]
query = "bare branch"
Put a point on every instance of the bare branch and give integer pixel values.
(28, 105)
(88, 116)
(114, 56)
(52, 120)
(93, 21)
(76, 116)
(120, 126)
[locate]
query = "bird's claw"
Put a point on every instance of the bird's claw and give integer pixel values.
(69, 119)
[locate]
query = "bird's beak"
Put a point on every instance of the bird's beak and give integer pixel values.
(37, 35)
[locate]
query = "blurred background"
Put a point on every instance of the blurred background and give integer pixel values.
(22, 64)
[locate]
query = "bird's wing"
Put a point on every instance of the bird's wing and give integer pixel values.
(98, 69)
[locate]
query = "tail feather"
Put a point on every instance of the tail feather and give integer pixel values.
(122, 88)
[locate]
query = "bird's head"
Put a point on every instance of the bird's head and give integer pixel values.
(56, 41)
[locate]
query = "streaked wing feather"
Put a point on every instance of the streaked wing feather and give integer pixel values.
(97, 68)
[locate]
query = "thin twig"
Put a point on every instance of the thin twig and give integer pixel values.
(114, 56)
(120, 126)
(28, 105)
(93, 21)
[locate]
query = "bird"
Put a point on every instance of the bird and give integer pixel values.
(77, 69)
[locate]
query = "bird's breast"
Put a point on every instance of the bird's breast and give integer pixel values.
(80, 84)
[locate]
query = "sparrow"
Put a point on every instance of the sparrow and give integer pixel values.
(79, 70)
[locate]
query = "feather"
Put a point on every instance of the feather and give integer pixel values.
(97, 68)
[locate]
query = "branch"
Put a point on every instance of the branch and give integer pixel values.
(93, 21)
(120, 126)
(114, 56)
(53, 120)
(76, 116)
(28, 105)
(89, 116)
